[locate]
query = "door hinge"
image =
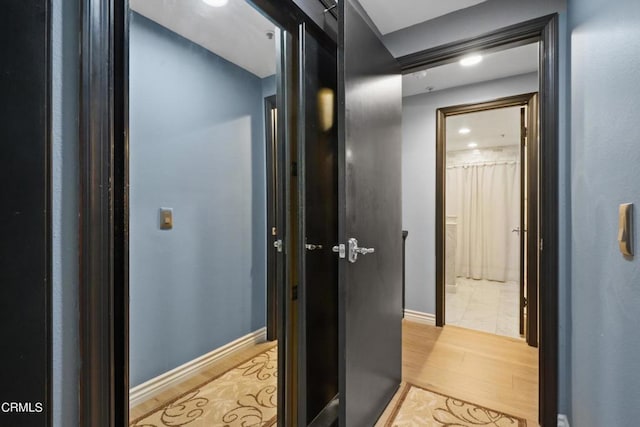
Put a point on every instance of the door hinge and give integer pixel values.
(524, 302)
(525, 132)
(541, 244)
(294, 293)
(294, 168)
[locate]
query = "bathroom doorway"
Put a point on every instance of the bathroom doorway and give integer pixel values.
(488, 204)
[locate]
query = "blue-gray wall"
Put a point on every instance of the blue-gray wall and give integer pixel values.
(605, 159)
(65, 189)
(467, 23)
(419, 176)
(197, 146)
(268, 86)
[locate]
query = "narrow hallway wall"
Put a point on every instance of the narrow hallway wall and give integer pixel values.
(196, 146)
(605, 67)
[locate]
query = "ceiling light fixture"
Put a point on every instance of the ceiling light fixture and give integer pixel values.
(470, 60)
(464, 131)
(216, 3)
(472, 145)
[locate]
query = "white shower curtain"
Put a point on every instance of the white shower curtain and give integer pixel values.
(485, 198)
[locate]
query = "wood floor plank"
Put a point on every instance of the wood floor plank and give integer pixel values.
(493, 371)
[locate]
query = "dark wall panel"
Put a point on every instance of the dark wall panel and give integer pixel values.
(24, 213)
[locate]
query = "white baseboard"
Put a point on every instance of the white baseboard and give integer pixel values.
(157, 385)
(563, 420)
(419, 317)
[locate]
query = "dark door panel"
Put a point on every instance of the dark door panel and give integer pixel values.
(370, 98)
(318, 289)
(533, 229)
(24, 214)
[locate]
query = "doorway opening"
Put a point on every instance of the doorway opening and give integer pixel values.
(448, 343)
(204, 213)
(489, 201)
(484, 121)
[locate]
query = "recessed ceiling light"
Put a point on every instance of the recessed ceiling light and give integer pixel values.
(472, 145)
(216, 3)
(470, 60)
(464, 131)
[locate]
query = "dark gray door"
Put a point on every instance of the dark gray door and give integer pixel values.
(523, 227)
(370, 99)
(318, 180)
(533, 230)
(25, 217)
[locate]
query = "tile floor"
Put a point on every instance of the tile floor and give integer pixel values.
(484, 306)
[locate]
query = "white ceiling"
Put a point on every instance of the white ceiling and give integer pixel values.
(491, 128)
(236, 32)
(506, 63)
(393, 15)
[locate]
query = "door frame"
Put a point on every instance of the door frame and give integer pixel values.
(271, 150)
(544, 30)
(104, 204)
(529, 100)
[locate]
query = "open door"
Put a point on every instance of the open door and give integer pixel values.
(370, 299)
(532, 262)
(522, 231)
(318, 182)
(272, 149)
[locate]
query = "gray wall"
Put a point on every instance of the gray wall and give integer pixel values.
(64, 167)
(467, 23)
(605, 68)
(419, 177)
(268, 86)
(197, 146)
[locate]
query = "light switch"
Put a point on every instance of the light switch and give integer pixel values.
(625, 229)
(166, 218)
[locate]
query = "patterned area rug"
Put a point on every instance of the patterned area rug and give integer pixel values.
(418, 407)
(241, 397)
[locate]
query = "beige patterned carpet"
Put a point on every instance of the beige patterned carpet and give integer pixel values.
(418, 407)
(244, 396)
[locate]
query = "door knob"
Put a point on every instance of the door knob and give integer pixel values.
(354, 250)
(278, 245)
(311, 247)
(340, 250)
(516, 230)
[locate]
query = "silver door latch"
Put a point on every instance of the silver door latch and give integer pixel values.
(340, 250)
(312, 247)
(354, 250)
(278, 245)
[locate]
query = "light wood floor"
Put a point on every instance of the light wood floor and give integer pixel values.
(204, 376)
(497, 372)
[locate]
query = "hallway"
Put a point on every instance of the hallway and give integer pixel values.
(497, 372)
